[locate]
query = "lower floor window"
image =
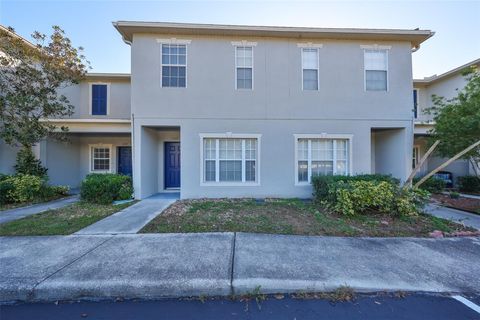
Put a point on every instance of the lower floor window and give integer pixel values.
(230, 160)
(321, 157)
(100, 158)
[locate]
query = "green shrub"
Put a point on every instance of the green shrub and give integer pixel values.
(106, 188)
(26, 163)
(6, 187)
(359, 194)
(49, 192)
(25, 187)
(433, 184)
(469, 183)
(28, 188)
(323, 185)
(454, 195)
(410, 201)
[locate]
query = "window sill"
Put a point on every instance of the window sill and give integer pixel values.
(229, 184)
(302, 184)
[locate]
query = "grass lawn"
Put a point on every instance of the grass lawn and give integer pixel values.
(288, 216)
(63, 221)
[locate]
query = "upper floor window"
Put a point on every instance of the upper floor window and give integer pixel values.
(310, 68)
(376, 66)
(244, 67)
(415, 103)
(99, 103)
(174, 65)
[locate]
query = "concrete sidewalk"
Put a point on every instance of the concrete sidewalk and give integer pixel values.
(132, 219)
(462, 217)
(158, 265)
(18, 213)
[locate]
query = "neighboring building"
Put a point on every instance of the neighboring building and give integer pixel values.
(445, 85)
(241, 111)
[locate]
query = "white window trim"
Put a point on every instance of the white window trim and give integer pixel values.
(318, 65)
(296, 137)
(90, 157)
(173, 41)
(375, 47)
(203, 136)
(236, 68)
(90, 84)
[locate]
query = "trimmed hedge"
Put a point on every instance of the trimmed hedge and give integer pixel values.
(469, 183)
(432, 185)
(106, 188)
(351, 195)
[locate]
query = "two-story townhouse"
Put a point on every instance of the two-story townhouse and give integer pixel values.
(444, 85)
(234, 111)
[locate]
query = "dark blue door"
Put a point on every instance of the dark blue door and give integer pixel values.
(172, 164)
(125, 160)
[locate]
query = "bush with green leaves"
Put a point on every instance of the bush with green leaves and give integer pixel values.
(323, 185)
(360, 194)
(28, 164)
(27, 188)
(469, 183)
(6, 187)
(106, 188)
(432, 185)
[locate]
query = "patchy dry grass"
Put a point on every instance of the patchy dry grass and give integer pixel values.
(63, 221)
(287, 216)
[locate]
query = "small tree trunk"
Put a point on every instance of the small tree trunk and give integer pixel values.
(408, 182)
(475, 163)
(458, 155)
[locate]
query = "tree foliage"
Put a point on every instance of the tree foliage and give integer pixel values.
(457, 120)
(31, 76)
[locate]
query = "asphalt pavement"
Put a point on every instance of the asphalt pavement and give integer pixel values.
(371, 307)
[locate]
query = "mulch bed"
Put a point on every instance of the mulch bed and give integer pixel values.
(462, 203)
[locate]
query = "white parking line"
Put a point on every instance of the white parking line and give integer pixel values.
(468, 303)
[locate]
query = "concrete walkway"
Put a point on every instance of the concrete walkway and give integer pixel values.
(471, 196)
(133, 218)
(18, 213)
(466, 218)
(158, 265)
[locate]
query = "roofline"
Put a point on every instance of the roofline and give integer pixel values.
(14, 34)
(434, 78)
(107, 75)
(128, 28)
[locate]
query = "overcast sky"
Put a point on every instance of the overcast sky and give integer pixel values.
(88, 23)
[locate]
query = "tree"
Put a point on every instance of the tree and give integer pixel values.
(457, 120)
(31, 76)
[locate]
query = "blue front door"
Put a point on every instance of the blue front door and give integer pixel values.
(172, 165)
(124, 160)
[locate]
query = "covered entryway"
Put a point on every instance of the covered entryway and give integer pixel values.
(172, 165)
(157, 160)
